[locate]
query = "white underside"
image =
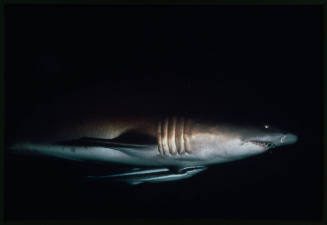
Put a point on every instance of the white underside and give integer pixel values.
(149, 157)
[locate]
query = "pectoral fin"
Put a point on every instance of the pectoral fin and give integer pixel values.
(156, 175)
(107, 143)
(128, 141)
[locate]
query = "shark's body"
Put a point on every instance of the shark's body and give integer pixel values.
(169, 145)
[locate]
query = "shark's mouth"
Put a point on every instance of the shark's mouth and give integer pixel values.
(264, 144)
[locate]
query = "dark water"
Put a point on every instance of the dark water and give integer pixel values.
(245, 64)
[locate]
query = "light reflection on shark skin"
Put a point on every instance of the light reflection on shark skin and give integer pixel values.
(172, 145)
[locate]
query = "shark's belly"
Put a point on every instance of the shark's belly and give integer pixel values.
(77, 153)
(149, 157)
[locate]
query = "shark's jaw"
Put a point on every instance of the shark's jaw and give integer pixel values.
(274, 141)
(264, 144)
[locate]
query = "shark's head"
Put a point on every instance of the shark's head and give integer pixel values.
(225, 142)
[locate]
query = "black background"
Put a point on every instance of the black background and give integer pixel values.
(259, 64)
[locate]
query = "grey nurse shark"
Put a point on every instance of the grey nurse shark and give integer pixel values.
(157, 149)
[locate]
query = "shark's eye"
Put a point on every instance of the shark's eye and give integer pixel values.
(266, 126)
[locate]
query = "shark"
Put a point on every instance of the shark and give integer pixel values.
(158, 149)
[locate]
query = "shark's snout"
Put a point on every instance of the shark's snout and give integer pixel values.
(275, 140)
(288, 138)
